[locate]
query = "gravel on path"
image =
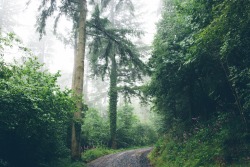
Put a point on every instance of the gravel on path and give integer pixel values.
(131, 158)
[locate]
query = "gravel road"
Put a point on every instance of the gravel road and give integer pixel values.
(132, 158)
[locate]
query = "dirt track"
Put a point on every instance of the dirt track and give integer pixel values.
(132, 158)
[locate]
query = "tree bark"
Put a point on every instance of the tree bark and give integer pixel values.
(113, 102)
(77, 81)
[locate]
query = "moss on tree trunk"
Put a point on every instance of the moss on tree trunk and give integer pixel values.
(113, 102)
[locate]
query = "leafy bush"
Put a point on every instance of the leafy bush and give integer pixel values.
(92, 154)
(130, 131)
(34, 114)
(95, 129)
(144, 135)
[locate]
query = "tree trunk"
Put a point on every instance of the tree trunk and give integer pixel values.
(113, 102)
(86, 83)
(77, 82)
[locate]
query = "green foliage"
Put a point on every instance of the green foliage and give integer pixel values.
(200, 72)
(10, 40)
(113, 54)
(69, 9)
(95, 153)
(126, 125)
(130, 132)
(108, 41)
(204, 146)
(95, 129)
(34, 115)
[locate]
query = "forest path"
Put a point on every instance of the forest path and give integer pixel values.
(131, 158)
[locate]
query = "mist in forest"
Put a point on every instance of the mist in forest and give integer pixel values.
(80, 79)
(57, 54)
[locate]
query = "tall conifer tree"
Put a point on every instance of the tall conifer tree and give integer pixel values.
(115, 56)
(76, 11)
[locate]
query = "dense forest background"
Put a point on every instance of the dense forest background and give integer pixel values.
(193, 82)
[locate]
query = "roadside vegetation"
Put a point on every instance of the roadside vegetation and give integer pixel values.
(34, 112)
(200, 83)
(94, 153)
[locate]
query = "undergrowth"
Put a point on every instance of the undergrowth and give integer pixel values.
(209, 146)
(67, 162)
(92, 154)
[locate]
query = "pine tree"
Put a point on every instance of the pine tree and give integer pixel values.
(76, 11)
(115, 56)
